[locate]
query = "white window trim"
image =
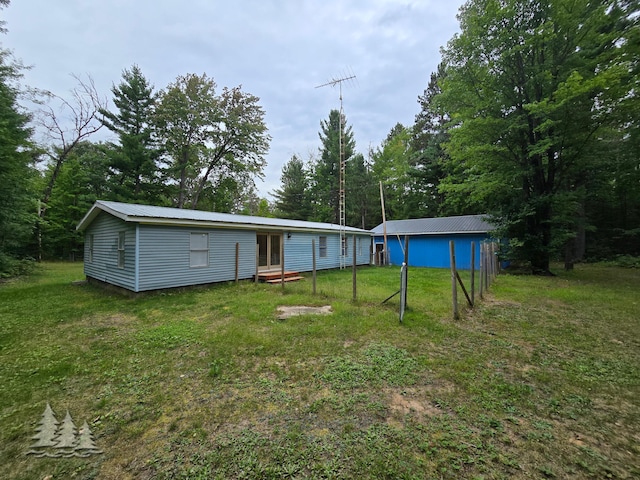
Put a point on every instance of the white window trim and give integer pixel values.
(122, 236)
(322, 249)
(91, 240)
(193, 250)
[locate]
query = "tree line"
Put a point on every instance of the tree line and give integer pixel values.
(188, 145)
(531, 118)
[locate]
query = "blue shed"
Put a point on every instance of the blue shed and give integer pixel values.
(142, 247)
(429, 240)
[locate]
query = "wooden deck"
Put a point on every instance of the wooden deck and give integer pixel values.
(276, 277)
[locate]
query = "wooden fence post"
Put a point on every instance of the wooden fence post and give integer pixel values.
(313, 256)
(237, 261)
(454, 287)
(473, 273)
(257, 261)
(354, 269)
(282, 263)
(481, 275)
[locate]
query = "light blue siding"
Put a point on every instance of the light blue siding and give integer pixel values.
(159, 256)
(433, 250)
(298, 254)
(104, 266)
(165, 256)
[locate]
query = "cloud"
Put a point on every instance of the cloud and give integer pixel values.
(278, 50)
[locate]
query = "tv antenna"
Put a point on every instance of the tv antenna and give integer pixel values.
(343, 164)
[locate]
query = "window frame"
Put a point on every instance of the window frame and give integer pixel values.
(90, 247)
(122, 242)
(322, 246)
(195, 252)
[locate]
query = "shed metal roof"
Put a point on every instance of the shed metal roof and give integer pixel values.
(437, 226)
(149, 214)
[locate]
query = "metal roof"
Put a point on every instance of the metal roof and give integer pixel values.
(149, 214)
(436, 226)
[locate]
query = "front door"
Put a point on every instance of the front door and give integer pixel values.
(269, 251)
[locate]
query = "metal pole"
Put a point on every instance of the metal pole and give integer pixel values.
(384, 228)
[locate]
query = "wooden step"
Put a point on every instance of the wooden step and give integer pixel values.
(275, 276)
(286, 279)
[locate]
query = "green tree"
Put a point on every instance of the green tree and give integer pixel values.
(73, 121)
(292, 198)
(362, 194)
(325, 176)
(18, 205)
(426, 166)
(134, 161)
(391, 163)
(84, 178)
(213, 142)
(528, 85)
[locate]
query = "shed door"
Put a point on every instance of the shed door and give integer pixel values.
(269, 251)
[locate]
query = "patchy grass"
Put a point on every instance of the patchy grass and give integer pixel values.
(540, 380)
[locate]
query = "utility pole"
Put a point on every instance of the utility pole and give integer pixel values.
(343, 163)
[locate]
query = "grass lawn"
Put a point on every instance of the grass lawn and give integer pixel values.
(540, 380)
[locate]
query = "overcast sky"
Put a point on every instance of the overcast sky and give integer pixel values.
(278, 50)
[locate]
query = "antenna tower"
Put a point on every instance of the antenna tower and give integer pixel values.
(343, 164)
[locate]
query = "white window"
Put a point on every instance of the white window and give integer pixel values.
(322, 247)
(360, 246)
(199, 250)
(121, 251)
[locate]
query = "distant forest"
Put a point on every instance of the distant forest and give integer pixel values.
(532, 118)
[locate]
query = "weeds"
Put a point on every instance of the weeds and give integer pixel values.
(540, 380)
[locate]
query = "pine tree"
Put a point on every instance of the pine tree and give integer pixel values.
(292, 198)
(47, 428)
(86, 445)
(326, 174)
(66, 439)
(134, 160)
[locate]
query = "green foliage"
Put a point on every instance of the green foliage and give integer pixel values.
(362, 201)
(18, 205)
(426, 167)
(325, 175)
(134, 160)
(84, 178)
(540, 378)
(527, 88)
(215, 144)
(627, 261)
(292, 198)
(391, 165)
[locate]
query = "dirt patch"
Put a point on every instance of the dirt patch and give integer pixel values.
(285, 312)
(412, 401)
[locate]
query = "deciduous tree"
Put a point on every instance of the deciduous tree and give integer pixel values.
(528, 87)
(211, 141)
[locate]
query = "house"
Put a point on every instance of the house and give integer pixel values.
(429, 240)
(141, 247)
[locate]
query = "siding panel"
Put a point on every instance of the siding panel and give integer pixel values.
(104, 267)
(433, 250)
(299, 257)
(165, 256)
